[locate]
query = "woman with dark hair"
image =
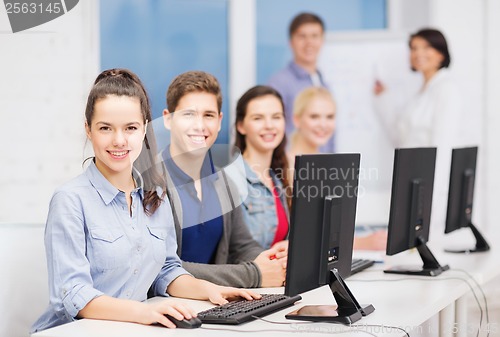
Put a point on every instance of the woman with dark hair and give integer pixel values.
(110, 236)
(260, 136)
(433, 116)
(437, 102)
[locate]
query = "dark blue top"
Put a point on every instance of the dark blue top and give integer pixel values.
(201, 219)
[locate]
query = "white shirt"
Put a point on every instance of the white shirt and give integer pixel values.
(316, 80)
(432, 118)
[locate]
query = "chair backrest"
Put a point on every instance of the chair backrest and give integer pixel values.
(23, 282)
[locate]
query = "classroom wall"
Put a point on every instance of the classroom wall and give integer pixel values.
(468, 49)
(407, 15)
(491, 121)
(45, 75)
(242, 51)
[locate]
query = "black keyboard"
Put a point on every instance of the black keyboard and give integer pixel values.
(237, 312)
(358, 265)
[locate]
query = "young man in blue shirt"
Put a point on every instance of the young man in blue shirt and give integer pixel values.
(306, 33)
(214, 242)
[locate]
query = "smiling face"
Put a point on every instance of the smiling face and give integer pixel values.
(316, 123)
(263, 125)
(423, 57)
(117, 133)
(194, 125)
(306, 43)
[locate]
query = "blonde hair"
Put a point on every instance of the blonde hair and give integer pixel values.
(306, 96)
(303, 99)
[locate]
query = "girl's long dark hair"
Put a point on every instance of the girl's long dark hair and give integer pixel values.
(123, 82)
(279, 161)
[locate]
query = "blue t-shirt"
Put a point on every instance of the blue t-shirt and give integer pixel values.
(202, 221)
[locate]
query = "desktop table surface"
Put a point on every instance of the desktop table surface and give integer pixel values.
(399, 300)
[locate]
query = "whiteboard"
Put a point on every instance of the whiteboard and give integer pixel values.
(350, 64)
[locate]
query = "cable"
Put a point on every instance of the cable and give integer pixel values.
(314, 330)
(340, 331)
(346, 329)
(288, 331)
(357, 327)
(252, 331)
(351, 326)
(274, 322)
(484, 298)
(438, 279)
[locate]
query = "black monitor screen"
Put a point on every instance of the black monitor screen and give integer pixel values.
(411, 198)
(461, 197)
(461, 190)
(410, 214)
(322, 219)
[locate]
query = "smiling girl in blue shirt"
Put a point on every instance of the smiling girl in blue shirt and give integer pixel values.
(109, 234)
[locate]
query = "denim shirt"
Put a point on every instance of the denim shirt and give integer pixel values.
(95, 246)
(259, 208)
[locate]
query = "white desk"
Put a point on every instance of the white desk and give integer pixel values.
(401, 301)
(420, 298)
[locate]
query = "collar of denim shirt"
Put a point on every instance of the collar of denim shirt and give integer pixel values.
(252, 177)
(105, 189)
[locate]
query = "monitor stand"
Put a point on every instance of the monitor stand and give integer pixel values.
(481, 244)
(431, 265)
(348, 308)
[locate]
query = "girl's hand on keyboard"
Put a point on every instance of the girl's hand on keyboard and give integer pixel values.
(189, 287)
(221, 295)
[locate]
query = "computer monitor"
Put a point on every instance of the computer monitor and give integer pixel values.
(461, 196)
(321, 236)
(410, 213)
